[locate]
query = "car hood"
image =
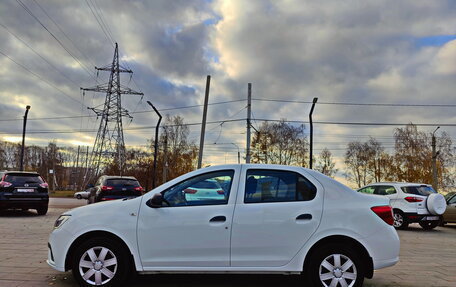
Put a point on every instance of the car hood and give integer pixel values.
(106, 208)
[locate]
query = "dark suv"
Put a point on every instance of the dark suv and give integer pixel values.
(24, 190)
(115, 187)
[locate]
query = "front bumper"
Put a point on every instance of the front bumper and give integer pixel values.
(58, 246)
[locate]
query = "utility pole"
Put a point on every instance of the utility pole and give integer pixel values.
(311, 131)
(109, 143)
(76, 181)
(27, 108)
(157, 127)
(203, 126)
(434, 161)
(249, 115)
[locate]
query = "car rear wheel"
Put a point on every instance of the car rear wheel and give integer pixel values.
(400, 221)
(42, 210)
(428, 225)
(335, 265)
(100, 262)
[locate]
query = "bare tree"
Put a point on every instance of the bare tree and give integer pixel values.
(325, 163)
(280, 143)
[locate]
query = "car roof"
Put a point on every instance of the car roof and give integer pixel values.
(23, 172)
(397, 183)
(118, 177)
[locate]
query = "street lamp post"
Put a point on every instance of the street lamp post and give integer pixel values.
(311, 132)
(155, 143)
(434, 161)
(27, 108)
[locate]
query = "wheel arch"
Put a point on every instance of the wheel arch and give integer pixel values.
(92, 234)
(342, 239)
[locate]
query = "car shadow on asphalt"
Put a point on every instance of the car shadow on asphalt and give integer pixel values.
(18, 213)
(253, 280)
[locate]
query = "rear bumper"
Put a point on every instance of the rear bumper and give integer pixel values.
(415, 217)
(23, 202)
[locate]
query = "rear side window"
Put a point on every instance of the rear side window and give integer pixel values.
(385, 190)
(122, 182)
(419, 190)
(277, 186)
(23, 178)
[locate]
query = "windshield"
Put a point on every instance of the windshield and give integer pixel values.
(419, 190)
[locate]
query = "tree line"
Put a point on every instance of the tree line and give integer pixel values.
(272, 143)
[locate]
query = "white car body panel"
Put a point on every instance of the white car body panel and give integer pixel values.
(181, 239)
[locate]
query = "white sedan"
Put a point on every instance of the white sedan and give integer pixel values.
(82, 194)
(272, 219)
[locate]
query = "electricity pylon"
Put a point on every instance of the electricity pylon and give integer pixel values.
(109, 144)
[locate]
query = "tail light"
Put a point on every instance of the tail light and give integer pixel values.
(220, 191)
(140, 189)
(105, 187)
(385, 212)
(5, 184)
(44, 185)
(413, 199)
(105, 199)
(190, 190)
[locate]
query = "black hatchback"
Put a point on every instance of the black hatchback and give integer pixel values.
(23, 190)
(115, 187)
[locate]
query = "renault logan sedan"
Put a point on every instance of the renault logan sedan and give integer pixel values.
(271, 219)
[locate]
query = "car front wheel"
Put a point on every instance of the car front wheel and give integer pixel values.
(336, 265)
(400, 221)
(100, 262)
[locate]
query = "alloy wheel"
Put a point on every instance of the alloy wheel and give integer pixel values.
(338, 270)
(398, 220)
(98, 265)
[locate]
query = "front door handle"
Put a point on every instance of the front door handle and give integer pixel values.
(220, 218)
(305, 216)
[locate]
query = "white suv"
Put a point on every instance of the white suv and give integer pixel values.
(411, 202)
(271, 219)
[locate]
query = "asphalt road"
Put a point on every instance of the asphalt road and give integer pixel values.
(428, 258)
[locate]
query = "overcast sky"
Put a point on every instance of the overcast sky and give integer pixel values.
(386, 52)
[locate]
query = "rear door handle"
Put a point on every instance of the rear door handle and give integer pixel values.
(219, 218)
(305, 216)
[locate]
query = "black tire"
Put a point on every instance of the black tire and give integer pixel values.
(42, 210)
(400, 220)
(328, 253)
(78, 196)
(428, 225)
(116, 251)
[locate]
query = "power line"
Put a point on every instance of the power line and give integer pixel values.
(66, 36)
(356, 104)
(90, 116)
(38, 54)
(53, 36)
(39, 77)
(361, 124)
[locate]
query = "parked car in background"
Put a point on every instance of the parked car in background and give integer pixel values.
(411, 202)
(115, 187)
(271, 219)
(450, 213)
(23, 190)
(82, 194)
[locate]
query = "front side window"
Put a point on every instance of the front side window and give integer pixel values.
(277, 186)
(208, 189)
(368, 189)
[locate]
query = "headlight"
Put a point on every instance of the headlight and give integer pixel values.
(61, 220)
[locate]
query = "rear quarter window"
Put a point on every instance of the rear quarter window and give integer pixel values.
(419, 190)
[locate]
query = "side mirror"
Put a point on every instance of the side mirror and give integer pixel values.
(156, 201)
